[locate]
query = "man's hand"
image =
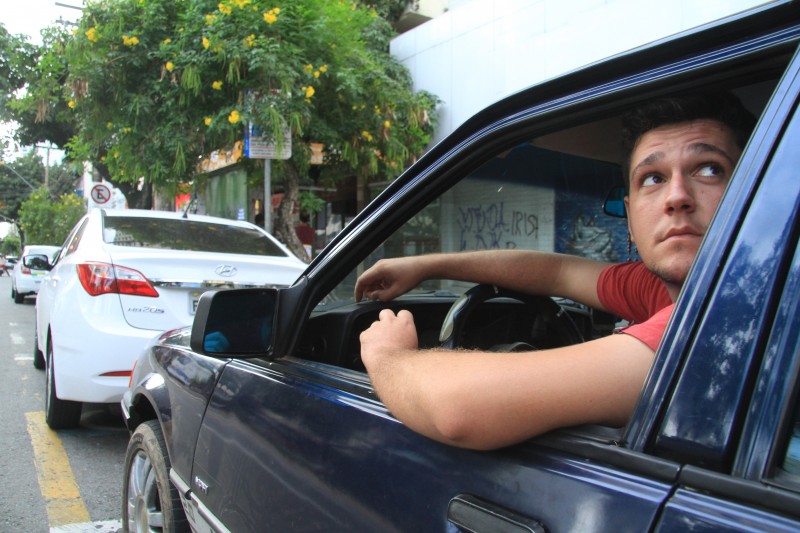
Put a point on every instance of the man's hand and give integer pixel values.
(389, 278)
(388, 335)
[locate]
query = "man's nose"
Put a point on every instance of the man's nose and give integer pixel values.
(680, 196)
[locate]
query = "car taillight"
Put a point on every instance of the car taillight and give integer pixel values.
(25, 270)
(102, 278)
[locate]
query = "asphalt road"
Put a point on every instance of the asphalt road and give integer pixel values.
(57, 481)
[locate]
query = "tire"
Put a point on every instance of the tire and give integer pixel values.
(59, 414)
(149, 501)
(38, 356)
(18, 298)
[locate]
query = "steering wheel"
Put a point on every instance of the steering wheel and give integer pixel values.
(454, 323)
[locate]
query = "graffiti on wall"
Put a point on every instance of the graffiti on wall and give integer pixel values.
(489, 227)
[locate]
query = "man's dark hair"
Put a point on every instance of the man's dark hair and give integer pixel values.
(721, 106)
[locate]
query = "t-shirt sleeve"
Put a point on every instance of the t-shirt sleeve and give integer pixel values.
(651, 330)
(631, 291)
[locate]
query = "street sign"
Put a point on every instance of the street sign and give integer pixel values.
(100, 193)
(258, 146)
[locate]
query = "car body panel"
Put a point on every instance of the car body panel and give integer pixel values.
(288, 441)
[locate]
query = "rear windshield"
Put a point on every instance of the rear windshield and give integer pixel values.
(187, 234)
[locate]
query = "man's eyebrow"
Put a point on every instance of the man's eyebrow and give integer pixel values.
(706, 147)
(697, 148)
(649, 160)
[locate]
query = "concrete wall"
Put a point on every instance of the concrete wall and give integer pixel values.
(482, 50)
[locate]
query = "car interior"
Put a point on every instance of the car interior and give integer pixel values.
(544, 192)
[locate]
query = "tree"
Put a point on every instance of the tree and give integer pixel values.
(17, 59)
(17, 180)
(47, 221)
(155, 84)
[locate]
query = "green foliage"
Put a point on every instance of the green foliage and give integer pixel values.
(47, 221)
(17, 179)
(310, 202)
(154, 84)
(11, 246)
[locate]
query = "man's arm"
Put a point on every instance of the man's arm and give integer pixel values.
(523, 270)
(489, 400)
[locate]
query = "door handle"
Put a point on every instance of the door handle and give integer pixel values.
(475, 515)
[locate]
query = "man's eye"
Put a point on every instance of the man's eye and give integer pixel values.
(710, 169)
(651, 179)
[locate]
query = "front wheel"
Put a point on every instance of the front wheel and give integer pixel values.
(59, 414)
(149, 501)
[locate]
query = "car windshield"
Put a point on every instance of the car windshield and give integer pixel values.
(187, 234)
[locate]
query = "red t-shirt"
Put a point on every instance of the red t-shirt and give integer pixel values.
(632, 292)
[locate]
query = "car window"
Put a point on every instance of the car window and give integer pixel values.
(187, 234)
(791, 462)
(71, 244)
(527, 197)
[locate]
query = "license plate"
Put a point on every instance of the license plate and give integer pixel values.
(193, 299)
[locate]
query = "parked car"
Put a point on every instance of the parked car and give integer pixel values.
(260, 416)
(28, 272)
(121, 277)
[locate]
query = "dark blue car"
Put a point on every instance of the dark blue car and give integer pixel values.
(262, 418)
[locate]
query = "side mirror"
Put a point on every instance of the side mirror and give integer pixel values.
(36, 262)
(614, 204)
(234, 322)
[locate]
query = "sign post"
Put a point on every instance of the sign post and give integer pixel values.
(257, 146)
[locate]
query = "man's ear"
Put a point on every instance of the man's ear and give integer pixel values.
(626, 201)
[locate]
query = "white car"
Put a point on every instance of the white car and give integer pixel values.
(122, 277)
(29, 270)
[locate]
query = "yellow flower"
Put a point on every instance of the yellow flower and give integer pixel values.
(323, 68)
(109, 124)
(309, 91)
(217, 85)
(71, 104)
(366, 135)
(387, 124)
(272, 15)
(126, 130)
(130, 41)
(91, 34)
(169, 66)
(250, 40)
(233, 118)
(308, 68)
(316, 74)
(206, 42)
(167, 40)
(207, 121)
(210, 19)
(224, 8)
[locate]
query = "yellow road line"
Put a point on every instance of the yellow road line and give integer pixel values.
(56, 481)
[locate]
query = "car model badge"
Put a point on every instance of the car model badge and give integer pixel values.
(227, 271)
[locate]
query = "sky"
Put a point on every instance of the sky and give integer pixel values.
(29, 17)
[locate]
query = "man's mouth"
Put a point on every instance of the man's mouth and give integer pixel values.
(681, 233)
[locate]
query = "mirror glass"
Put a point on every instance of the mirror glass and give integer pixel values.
(614, 204)
(235, 322)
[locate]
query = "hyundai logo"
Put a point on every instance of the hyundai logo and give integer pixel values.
(227, 271)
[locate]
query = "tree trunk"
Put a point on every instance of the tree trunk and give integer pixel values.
(283, 223)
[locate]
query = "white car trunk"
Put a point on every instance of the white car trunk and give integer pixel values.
(181, 277)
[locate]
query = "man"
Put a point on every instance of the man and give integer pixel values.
(681, 154)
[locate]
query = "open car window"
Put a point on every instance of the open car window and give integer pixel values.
(544, 190)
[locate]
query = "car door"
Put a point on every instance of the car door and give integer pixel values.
(50, 284)
(738, 432)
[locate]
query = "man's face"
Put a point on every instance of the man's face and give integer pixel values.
(677, 177)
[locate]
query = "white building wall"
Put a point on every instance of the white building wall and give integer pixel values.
(483, 50)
